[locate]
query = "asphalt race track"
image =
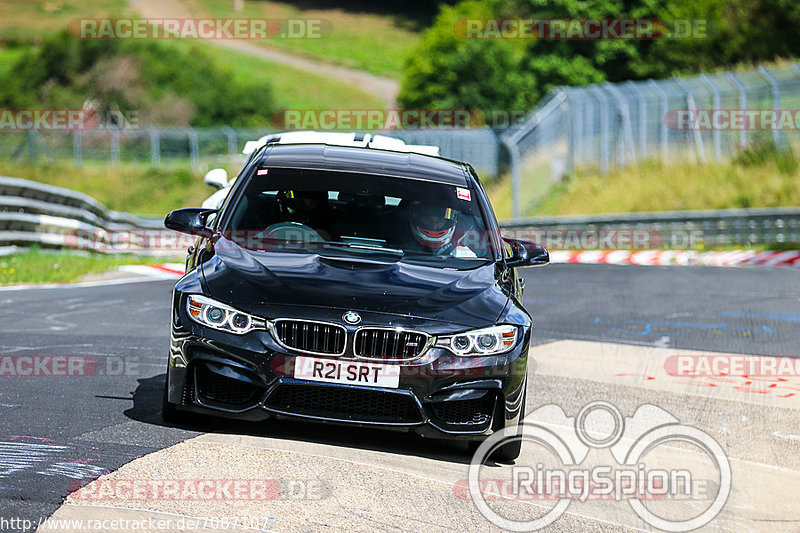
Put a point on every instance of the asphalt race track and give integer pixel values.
(59, 429)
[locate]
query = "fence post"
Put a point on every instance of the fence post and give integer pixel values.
(513, 152)
(697, 135)
(776, 100)
(664, 111)
(605, 156)
(716, 103)
(77, 147)
(742, 105)
(194, 148)
(642, 119)
(577, 109)
(155, 147)
(114, 145)
(571, 131)
(627, 128)
(31, 145)
(587, 141)
(231, 133)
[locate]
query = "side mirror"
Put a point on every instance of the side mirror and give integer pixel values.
(217, 178)
(526, 253)
(191, 220)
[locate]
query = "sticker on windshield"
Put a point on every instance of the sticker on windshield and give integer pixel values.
(262, 171)
(463, 194)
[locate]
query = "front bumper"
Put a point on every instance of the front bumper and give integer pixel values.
(250, 377)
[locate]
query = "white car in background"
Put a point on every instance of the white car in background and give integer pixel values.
(218, 177)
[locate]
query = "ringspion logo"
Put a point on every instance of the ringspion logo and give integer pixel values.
(568, 467)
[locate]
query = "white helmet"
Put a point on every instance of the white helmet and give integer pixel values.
(433, 226)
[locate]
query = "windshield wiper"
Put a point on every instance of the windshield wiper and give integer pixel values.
(365, 247)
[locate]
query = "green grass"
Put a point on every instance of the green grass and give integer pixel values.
(293, 88)
(133, 188)
(27, 19)
(371, 42)
(9, 56)
(40, 266)
(759, 177)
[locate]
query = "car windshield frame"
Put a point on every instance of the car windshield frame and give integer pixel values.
(224, 221)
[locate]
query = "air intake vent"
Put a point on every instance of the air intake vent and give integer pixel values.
(346, 404)
(389, 344)
(311, 337)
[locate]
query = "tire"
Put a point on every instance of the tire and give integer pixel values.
(505, 453)
(169, 412)
(508, 453)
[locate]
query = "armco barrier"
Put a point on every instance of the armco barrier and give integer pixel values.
(33, 213)
(774, 226)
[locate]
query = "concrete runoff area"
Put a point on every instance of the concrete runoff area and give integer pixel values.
(317, 486)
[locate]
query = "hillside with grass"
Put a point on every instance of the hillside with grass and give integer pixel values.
(352, 34)
(760, 176)
(169, 82)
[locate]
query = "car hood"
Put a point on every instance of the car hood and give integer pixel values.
(256, 279)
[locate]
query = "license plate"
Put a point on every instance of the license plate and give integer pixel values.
(350, 372)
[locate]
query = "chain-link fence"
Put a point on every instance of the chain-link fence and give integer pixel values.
(703, 118)
(202, 149)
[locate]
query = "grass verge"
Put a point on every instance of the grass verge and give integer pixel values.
(134, 188)
(293, 88)
(24, 19)
(761, 176)
(352, 39)
(63, 266)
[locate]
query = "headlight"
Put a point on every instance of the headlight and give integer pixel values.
(219, 316)
(486, 341)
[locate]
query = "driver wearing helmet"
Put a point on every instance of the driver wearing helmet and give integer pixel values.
(434, 227)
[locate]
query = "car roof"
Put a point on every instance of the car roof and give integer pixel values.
(360, 140)
(365, 161)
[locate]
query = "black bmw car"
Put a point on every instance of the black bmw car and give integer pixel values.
(352, 285)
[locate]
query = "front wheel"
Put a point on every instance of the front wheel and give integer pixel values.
(169, 413)
(509, 451)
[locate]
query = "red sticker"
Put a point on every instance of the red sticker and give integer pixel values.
(463, 194)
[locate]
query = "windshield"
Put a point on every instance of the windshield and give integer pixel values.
(334, 213)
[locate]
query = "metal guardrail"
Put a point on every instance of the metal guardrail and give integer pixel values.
(33, 213)
(680, 229)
